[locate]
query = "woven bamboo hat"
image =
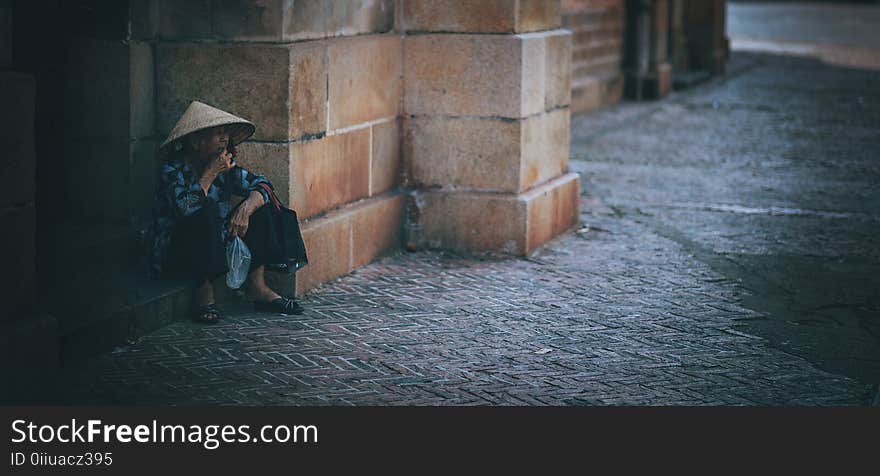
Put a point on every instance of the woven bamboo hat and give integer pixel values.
(200, 116)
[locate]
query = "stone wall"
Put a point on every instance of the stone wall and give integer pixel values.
(597, 28)
(322, 81)
(487, 88)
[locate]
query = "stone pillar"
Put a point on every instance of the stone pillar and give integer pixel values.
(705, 30)
(487, 87)
(321, 80)
(597, 52)
(28, 342)
(647, 69)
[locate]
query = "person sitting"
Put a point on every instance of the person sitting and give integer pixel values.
(192, 216)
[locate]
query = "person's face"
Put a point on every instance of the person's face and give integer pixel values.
(209, 143)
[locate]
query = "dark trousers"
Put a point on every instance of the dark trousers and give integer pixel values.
(196, 251)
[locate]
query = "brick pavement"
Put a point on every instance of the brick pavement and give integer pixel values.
(658, 298)
(613, 315)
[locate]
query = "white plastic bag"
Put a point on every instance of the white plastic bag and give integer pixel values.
(238, 258)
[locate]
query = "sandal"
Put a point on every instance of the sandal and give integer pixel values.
(208, 314)
(283, 306)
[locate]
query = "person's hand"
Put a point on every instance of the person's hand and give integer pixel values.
(238, 222)
(220, 164)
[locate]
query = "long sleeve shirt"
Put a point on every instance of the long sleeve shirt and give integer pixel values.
(179, 194)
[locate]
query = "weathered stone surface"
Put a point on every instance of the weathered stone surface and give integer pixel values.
(385, 164)
(329, 172)
(558, 69)
(364, 79)
(508, 223)
(485, 75)
(349, 238)
(469, 221)
(545, 143)
(536, 15)
(97, 89)
(470, 153)
(282, 89)
(183, 19)
(104, 165)
(553, 208)
(328, 244)
(144, 16)
(486, 154)
(317, 175)
(5, 35)
(143, 173)
(142, 90)
(305, 19)
(249, 20)
(463, 75)
(17, 134)
(271, 160)
(480, 16)
(364, 16)
(18, 255)
(376, 228)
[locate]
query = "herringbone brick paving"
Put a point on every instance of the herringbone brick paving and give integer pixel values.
(614, 315)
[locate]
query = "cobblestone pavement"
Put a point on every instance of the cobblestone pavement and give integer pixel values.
(690, 280)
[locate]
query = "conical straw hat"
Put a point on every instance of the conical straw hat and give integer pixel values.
(200, 116)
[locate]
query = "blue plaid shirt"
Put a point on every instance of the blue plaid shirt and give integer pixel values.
(179, 194)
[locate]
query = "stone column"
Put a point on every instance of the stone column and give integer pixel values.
(487, 87)
(705, 29)
(647, 69)
(321, 81)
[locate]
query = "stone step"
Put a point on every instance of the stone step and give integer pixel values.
(101, 296)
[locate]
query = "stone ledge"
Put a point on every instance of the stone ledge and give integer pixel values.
(486, 154)
(501, 222)
(346, 239)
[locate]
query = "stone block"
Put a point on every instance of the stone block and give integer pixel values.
(317, 175)
(329, 172)
(463, 152)
(99, 183)
(485, 75)
(537, 15)
(143, 173)
(480, 16)
(271, 160)
(507, 223)
(558, 69)
(328, 244)
(360, 17)
(142, 90)
(545, 146)
(364, 79)
(486, 154)
(469, 221)
(249, 20)
(385, 169)
(18, 255)
(349, 238)
(17, 134)
(144, 18)
(97, 89)
(184, 19)
(552, 209)
(304, 20)
(281, 88)
(5, 35)
(376, 228)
